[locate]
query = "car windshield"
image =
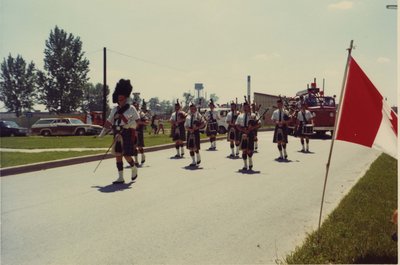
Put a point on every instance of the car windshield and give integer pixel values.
(76, 121)
(11, 124)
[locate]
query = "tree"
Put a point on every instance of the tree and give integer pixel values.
(166, 107)
(154, 104)
(18, 84)
(62, 85)
(93, 99)
(187, 98)
(214, 97)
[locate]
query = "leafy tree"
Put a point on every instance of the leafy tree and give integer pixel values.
(154, 104)
(62, 85)
(166, 107)
(18, 84)
(94, 98)
(188, 98)
(214, 97)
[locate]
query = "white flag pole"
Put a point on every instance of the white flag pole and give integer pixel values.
(334, 132)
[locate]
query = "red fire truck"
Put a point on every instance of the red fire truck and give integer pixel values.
(323, 108)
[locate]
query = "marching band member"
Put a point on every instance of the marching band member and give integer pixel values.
(246, 123)
(255, 110)
(304, 117)
(140, 131)
(212, 118)
(122, 120)
(193, 123)
(177, 121)
(280, 117)
(233, 132)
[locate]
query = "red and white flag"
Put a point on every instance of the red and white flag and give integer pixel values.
(365, 118)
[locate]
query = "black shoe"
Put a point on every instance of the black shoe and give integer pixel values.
(182, 154)
(142, 162)
(286, 157)
(198, 162)
(237, 154)
(192, 165)
(119, 182)
(133, 178)
(177, 156)
(280, 158)
(231, 155)
(250, 168)
(244, 168)
(137, 164)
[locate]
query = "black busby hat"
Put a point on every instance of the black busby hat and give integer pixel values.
(177, 103)
(123, 87)
(192, 104)
(211, 103)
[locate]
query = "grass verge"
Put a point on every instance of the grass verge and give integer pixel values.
(9, 159)
(359, 230)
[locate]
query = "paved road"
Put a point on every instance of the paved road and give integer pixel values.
(213, 215)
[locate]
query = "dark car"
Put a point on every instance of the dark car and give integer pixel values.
(11, 128)
(63, 126)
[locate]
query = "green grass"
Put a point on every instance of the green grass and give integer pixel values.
(359, 230)
(9, 159)
(40, 142)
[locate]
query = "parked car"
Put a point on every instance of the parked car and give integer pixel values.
(11, 128)
(63, 126)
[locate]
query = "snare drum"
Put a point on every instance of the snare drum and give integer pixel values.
(308, 129)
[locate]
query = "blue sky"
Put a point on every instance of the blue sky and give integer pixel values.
(165, 47)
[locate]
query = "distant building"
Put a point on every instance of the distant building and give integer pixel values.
(266, 101)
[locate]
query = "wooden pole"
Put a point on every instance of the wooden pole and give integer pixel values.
(104, 85)
(334, 133)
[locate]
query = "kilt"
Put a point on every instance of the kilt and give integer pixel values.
(280, 134)
(195, 144)
(140, 138)
(125, 147)
(247, 144)
(179, 136)
(233, 136)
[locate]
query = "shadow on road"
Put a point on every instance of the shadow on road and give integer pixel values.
(114, 187)
(192, 167)
(248, 172)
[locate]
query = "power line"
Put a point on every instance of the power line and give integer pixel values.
(147, 61)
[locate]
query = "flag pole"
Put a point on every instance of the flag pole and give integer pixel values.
(334, 133)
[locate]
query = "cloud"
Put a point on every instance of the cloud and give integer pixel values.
(343, 5)
(383, 60)
(266, 57)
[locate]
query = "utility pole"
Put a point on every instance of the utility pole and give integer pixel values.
(104, 85)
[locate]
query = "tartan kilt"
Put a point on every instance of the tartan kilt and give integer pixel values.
(125, 147)
(193, 144)
(179, 136)
(280, 134)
